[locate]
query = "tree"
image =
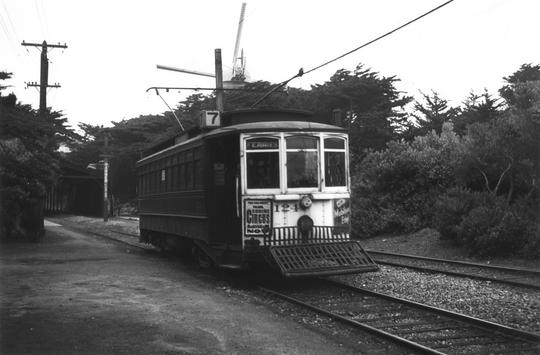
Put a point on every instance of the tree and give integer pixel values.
(372, 105)
(477, 109)
(431, 115)
(28, 152)
(505, 150)
(513, 91)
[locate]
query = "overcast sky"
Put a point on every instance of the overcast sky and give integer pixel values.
(114, 46)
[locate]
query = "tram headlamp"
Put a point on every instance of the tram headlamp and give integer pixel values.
(305, 224)
(305, 202)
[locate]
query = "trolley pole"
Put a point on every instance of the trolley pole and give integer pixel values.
(219, 81)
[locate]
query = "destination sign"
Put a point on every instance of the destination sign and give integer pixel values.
(262, 143)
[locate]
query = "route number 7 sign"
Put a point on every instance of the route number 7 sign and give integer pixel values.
(210, 119)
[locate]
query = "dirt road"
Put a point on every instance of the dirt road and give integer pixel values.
(76, 293)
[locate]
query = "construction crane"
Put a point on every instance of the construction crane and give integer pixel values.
(239, 63)
(236, 78)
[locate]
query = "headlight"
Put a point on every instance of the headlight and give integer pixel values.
(305, 224)
(305, 202)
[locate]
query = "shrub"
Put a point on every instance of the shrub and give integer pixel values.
(497, 232)
(476, 225)
(487, 225)
(450, 209)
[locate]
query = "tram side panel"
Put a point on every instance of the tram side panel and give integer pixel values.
(172, 195)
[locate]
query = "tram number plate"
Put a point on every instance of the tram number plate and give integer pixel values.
(210, 119)
(286, 207)
(258, 217)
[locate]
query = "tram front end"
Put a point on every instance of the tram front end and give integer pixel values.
(294, 199)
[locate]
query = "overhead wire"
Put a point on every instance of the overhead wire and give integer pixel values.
(380, 37)
(40, 18)
(9, 19)
(9, 33)
(302, 72)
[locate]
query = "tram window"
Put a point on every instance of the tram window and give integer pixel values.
(302, 162)
(197, 168)
(189, 175)
(334, 158)
(263, 170)
(198, 175)
(182, 177)
(262, 163)
(169, 178)
(174, 177)
(145, 182)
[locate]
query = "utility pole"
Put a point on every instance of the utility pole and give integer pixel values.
(44, 77)
(219, 81)
(106, 179)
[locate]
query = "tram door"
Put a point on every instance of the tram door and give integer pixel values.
(224, 168)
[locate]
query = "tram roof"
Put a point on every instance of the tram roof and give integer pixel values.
(270, 126)
(266, 126)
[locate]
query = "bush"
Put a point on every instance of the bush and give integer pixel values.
(495, 231)
(487, 225)
(450, 209)
(399, 185)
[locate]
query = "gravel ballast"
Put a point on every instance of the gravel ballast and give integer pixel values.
(511, 306)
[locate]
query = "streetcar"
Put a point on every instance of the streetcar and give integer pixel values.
(254, 187)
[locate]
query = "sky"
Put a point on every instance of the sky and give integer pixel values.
(114, 47)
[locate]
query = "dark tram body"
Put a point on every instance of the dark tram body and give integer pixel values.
(261, 187)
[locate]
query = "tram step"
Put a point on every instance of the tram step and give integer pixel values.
(322, 259)
(231, 266)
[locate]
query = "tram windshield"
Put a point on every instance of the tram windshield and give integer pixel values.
(302, 161)
(334, 158)
(262, 163)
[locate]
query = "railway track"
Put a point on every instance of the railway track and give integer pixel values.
(416, 326)
(505, 275)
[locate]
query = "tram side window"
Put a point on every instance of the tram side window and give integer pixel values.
(334, 158)
(182, 176)
(174, 177)
(262, 163)
(189, 170)
(302, 161)
(145, 182)
(197, 169)
(155, 181)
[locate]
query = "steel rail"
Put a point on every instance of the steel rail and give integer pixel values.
(502, 280)
(503, 329)
(394, 338)
(124, 233)
(459, 274)
(455, 262)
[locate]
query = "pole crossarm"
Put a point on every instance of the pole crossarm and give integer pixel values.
(44, 75)
(44, 44)
(201, 89)
(34, 84)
